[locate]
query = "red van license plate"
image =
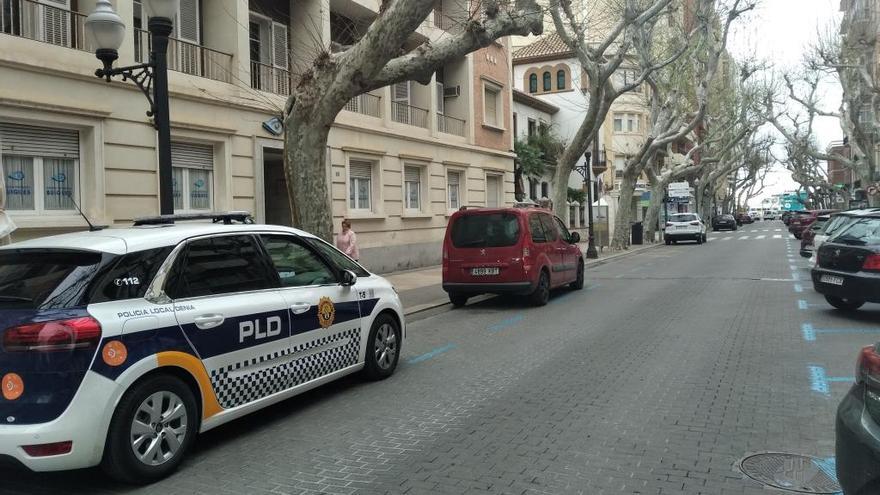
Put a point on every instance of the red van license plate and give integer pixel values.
(477, 272)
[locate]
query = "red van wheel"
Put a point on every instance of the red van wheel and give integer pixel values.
(541, 295)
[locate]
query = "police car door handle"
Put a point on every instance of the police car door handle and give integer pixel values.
(299, 308)
(209, 321)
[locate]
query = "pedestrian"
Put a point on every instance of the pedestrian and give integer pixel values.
(346, 241)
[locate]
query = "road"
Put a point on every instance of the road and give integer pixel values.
(670, 367)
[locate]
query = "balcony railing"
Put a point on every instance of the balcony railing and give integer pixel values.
(187, 57)
(40, 22)
(366, 104)
(447, 23)
(451, 125)
(269, 78)
(408, 114)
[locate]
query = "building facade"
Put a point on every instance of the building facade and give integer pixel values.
(400, 159)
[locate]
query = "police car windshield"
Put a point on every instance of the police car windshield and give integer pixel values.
(40, 279)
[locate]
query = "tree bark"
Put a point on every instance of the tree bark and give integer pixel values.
(621, 239)
(305, 166)
(652, 216)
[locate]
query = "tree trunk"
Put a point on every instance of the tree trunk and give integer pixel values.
(305, 165)
(653, 213)
(623, 218)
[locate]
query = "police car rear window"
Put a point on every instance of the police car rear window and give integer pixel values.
(130, 275)
(485, 230)
(46, 279)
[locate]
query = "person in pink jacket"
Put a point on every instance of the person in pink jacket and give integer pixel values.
(346, 241)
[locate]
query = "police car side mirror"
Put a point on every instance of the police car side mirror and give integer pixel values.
(348, 278)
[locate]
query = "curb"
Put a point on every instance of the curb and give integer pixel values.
(420, 308)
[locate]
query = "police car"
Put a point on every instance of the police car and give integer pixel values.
(120, 345)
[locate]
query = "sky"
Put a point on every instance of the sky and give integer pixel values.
(778, 32)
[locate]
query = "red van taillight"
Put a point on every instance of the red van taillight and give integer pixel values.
(58, 335)
(872, 263)
(868, 365)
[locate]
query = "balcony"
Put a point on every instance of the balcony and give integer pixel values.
(187, 57)
(40, 22)
(268, 78)
(451, 125)
(447, 23)
(408, 114)
(366, 104)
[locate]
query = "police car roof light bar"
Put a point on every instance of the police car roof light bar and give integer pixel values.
(226, 218)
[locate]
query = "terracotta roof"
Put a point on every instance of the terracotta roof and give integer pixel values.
(531, 101)
(548, 47)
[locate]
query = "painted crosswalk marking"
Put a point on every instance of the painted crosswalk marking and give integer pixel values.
(761, 237)
(777, 236)
(743, 237)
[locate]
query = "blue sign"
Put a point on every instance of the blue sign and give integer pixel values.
(17, 175)
(60, 177)
(199, 183)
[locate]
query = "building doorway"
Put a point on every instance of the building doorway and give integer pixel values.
(275, 197)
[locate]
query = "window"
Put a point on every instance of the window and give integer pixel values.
(618, 123)
(537, 228)
(360, 175)
(533, 189)
(549, 228)
(560, 80)
(493, 190)
(412, 182)
(533, 83)
(626, 77)
(131, 275)
(453, 189)
(548, 81)
(545, 190)
(633, 121)
(533, 127)
(220, 265)
(44, 279)
(515, 127)
(627, 122)
(485, 230)
(192, 176)
(40, 167)
(342, 261)
(491, 105)
(296, 265)
(563, 231)
(619, 163)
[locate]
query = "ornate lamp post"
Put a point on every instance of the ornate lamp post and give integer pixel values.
(108, 31)
(585, 172)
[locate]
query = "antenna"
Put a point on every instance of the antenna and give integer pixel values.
(92, 228)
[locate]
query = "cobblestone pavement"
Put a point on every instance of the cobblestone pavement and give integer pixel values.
(669, 368)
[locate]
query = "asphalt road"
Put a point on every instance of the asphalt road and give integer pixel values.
(671, 366)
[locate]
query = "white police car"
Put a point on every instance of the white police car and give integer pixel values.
(119, 346)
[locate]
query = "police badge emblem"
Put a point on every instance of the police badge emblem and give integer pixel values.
(326, 312)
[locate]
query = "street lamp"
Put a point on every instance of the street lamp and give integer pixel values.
(108, 30)
(584, 171)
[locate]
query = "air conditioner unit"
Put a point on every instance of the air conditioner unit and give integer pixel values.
(451, 91)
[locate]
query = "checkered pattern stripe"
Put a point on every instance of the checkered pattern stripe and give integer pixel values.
(234, 391)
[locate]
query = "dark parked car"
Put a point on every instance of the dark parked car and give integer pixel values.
(804, 219)
(723, 222)
(810, 234)
(786, 216)
(858, 419)
(847, 268)
(742, 218)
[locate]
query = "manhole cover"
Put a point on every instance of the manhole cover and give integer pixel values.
(792, 472)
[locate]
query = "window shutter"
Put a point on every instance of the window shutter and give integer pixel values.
(412, 174)
(188, 21)
(453, 178)
(56, 22)
(39, 141)
(360, 169)
(441, 107)
(192, 155)
(491, 107)
(401, 92)
(280, 50)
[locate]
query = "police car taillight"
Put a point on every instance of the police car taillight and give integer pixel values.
(56, 335)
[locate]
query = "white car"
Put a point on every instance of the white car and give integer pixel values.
(121, 345)
(684, 227)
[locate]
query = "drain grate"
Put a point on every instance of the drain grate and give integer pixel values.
(792, 472)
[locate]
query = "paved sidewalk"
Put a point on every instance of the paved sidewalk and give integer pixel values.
(421, 290)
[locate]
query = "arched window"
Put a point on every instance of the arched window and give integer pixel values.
(533, 83)
(560, 80)
(548, 82)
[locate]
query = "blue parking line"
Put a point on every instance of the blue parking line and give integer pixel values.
(809, 332)
(428, 355)
(818, 380)
(507, 322)
(798, 288)
(802, 304)
(795, 276)
(792, 268)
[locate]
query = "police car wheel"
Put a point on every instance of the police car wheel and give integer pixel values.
(383, 348)
(153, 426)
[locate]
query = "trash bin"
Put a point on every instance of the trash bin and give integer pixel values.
(638, 233)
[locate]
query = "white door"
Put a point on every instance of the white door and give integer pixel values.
(188, 30)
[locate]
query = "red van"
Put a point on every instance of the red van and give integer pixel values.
(524, 251)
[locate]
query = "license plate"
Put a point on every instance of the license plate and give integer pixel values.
(484, 271)
(680, 227)
(831, 279)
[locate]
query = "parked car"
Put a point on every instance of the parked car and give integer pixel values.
(120, 346)
(525, 251)
(724, 222)
(857, 446)
(684, 227)
(786, 216)
(810, 233)
(847, 270)
(804, 219)
(837, 222)
(744, 218)
(755, 214)
(771, 215)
